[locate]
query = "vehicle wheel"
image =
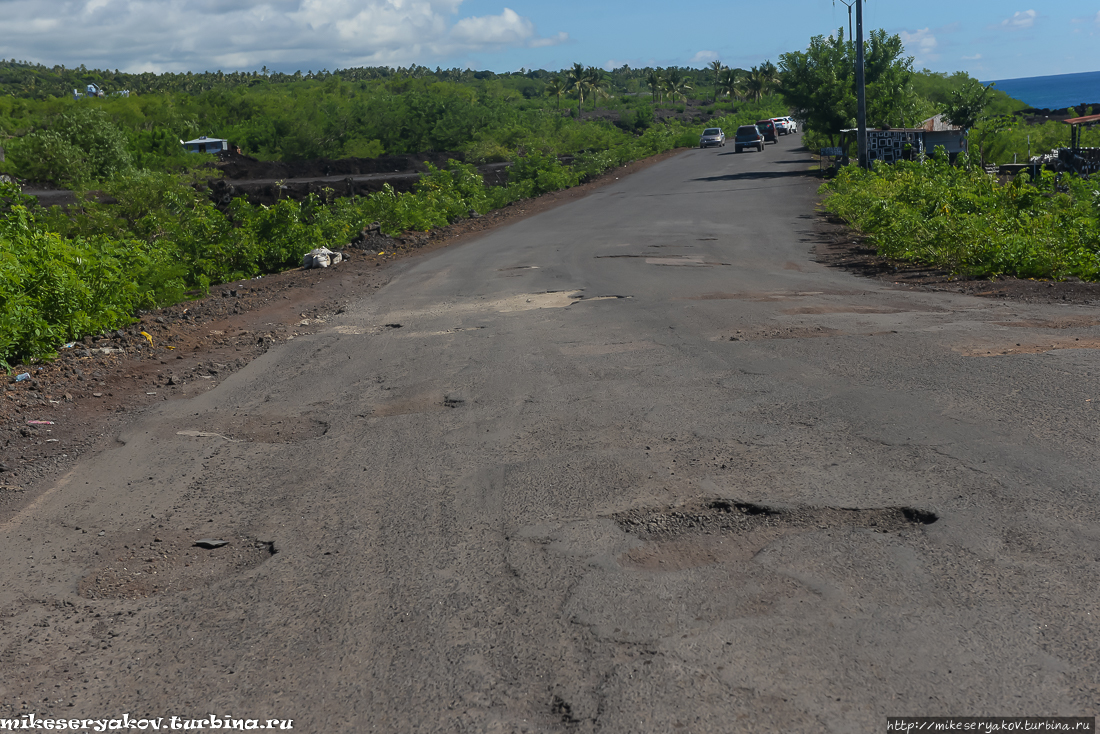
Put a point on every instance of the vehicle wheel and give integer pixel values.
(760, 147)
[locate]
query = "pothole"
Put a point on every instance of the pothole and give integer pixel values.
(784, 332)
(263, 429)
(724, 515)
(721, 530)
(157, 561)
(1031, 344)
(670, 260)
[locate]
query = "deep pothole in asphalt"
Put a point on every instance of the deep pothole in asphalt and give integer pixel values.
(718, 530)
(159, 561)
(731, 516)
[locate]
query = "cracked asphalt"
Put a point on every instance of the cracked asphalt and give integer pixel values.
(635, 464)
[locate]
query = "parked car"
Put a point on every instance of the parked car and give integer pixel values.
(712, 136)
(785, 125)
(748, 136)
(767, 127)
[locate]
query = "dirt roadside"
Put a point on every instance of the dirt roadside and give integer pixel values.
(72, 405)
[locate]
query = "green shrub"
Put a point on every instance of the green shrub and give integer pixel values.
(54, 289)
(66, 273)
(541, 173)
(79, 147)
(961, 219)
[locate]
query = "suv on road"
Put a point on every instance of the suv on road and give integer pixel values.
(748, 136)
(712, 136)
(767, 127)
(784, 125)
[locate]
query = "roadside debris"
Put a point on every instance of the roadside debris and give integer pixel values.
(211, 543)
(22, 377)
(322, 257)
(40, 423)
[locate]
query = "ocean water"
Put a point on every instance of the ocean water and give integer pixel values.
(1055, 92)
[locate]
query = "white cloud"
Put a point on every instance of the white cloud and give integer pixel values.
(704, 57)
(1020, 20)
(922, 44)
(506, 29)
(555, 40)
(198, 35)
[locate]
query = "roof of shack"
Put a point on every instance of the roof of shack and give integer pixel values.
(1085, 120)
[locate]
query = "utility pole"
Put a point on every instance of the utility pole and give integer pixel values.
(861, 91)
(849, 5)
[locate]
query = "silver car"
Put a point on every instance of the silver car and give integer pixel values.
(712, 136)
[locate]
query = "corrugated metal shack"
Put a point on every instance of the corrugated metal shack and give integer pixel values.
(1083, 160)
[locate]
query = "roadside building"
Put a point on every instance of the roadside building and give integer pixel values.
(908, 143)
(206, 145)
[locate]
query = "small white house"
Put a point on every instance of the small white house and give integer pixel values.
(206, 145)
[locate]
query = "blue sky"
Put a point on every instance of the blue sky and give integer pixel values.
(990, 39)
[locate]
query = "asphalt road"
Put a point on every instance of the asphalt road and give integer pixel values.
(638, 464)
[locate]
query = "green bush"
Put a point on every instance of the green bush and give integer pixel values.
(77, 148)
(962, 220)
(541, 174)
(54, 289)
(85, 269)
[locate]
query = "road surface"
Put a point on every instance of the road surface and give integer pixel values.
(637, 464)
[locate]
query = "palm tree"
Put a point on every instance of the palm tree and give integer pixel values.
(677, 85)
(594, 83)
(556, 87)
(770, 75)
(716, 67)
(655, 82)
(759, 81)
(729, 82)
(576, 80)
